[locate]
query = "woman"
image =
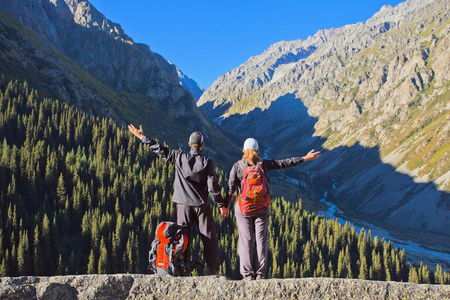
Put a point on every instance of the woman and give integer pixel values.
(254, 224)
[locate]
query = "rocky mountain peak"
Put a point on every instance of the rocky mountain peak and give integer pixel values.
(190, 84)
(381, 85)
(93, 64)
(401, 12)
(88, 16)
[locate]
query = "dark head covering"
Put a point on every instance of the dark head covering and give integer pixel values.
(196, 138)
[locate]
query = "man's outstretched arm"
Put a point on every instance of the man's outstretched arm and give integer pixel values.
(163, 152)
(139, 133)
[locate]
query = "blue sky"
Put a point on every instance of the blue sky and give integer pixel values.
(206, 39)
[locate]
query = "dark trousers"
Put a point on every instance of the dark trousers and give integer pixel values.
(203, 218)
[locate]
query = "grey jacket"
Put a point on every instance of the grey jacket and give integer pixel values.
(194, 175)
(237, 172)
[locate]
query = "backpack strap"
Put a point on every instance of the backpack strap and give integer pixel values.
(171, 265)
(241, 163)
(152, 256)
(178, 157)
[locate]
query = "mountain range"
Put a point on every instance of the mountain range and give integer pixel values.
(373, 97)
(69, 51)
(191, 85)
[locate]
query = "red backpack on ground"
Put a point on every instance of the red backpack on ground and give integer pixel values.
(169, 249)
(254, 196)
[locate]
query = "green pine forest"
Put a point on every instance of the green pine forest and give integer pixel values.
(81, 195)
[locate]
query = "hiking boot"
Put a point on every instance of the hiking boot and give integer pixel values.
(259, 277)
(248, 277)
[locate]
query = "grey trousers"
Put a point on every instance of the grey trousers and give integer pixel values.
(251, 227)
(203, 218)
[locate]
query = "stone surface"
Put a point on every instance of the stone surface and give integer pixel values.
(127, 286)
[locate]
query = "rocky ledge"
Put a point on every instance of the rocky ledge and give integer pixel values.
(129, 286)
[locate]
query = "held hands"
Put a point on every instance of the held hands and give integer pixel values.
(139, 133)
(311, 155)
(224, 212)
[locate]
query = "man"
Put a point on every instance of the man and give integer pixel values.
(194, 178)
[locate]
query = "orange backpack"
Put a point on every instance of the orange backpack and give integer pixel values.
(167, 255)
(254, 196)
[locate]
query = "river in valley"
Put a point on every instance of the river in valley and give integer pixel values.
(415, 252)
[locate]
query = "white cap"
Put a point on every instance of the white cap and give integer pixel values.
(251, 143)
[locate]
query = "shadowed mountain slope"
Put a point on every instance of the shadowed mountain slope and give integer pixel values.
(376, 98)
(70, 51)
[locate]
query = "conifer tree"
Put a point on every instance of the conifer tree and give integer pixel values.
(60, 270)
(38, 268)
(413, 276)
(331, 269)
(92, 266)
(439, 279)
(14, 271)
(2, 252)
(23, 255)
(78, 182)
(447, 277)
(424, 274)
(378, 272)
(363, 270)
(347, 262)
(103, 260)
(3, 268)
(341, 267)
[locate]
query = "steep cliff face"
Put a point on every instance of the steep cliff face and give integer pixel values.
(70, 51)
(27, 57)
(98, 45)
(190, 84)
(129, 286)
(374, 95)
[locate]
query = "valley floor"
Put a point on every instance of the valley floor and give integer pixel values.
(429, 248)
